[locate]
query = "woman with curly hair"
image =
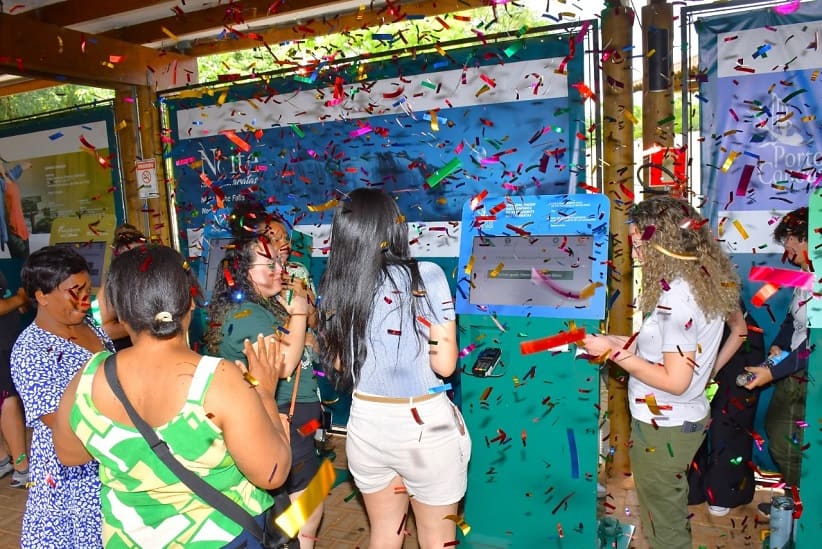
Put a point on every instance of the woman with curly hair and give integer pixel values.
(689, 290)
(260, 292)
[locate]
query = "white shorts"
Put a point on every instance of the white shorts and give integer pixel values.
(385, 440)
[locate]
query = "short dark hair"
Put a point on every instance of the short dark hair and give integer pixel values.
(795, 224)
(126, 235)
(149, 280)
(46, 268)
(249, 217)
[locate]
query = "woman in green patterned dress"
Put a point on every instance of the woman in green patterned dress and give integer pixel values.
(218, 418)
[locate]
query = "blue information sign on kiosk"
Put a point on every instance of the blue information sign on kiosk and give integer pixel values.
(529, 268)
(542, 256)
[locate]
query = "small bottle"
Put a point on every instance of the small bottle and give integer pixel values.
(746, 377)
(782, 508)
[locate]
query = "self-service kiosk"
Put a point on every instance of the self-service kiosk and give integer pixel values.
(531, 280)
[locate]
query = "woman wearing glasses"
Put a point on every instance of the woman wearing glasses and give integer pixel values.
(257, 295)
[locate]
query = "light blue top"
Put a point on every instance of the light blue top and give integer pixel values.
(398, 362)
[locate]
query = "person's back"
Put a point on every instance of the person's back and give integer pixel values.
(144, 504)
(219, 421)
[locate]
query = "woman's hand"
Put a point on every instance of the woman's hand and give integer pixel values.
(598, 345)
(293, 298)
(265, 363)
(763, 376)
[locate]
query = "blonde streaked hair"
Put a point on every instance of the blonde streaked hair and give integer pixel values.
(678, 243)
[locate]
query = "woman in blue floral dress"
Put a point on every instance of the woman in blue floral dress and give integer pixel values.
(63, 507)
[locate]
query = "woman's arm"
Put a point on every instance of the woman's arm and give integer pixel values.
(293, 342)
(108, 318)
(69, 448)
(243, 406)
(673, 376)
(443, 354)
(738, 333)
(17, 301)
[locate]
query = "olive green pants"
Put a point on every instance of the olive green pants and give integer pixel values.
(786, 409)
(660, 459)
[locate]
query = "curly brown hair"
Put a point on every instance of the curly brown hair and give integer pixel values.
(678, 244)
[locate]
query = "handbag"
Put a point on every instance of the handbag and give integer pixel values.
(286, 419)
(270, 535)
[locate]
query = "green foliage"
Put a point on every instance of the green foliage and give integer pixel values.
(408, 33)
(37, 102)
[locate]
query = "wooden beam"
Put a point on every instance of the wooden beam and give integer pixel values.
(26, 85)
(31, 48)
(216, 18)
(71, 12)
(333, 23)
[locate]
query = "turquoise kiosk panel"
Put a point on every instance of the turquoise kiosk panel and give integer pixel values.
(531, 268)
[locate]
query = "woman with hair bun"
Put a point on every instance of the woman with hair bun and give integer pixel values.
(218, 418)
(690, 289)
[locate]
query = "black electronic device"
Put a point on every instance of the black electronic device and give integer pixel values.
(486, 362)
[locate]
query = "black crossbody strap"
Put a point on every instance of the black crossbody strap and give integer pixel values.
(200, 487)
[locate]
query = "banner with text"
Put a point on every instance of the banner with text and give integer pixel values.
(434, 129)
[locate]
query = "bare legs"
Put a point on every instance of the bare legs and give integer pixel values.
(387, 511)
(13, 428)
(308, 533)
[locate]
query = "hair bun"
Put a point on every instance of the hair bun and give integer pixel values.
(163, 316)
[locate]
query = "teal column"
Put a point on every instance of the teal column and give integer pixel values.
(809, 526)
(534, 427)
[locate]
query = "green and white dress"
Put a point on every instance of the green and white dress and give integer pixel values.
(143, 503)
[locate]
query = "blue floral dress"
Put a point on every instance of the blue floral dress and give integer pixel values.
(63, 507)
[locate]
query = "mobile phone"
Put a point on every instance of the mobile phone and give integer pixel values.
(486, 361)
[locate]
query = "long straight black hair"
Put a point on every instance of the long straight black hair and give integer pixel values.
(368, 235)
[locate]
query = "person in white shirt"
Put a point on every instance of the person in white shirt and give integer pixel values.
(689, 290)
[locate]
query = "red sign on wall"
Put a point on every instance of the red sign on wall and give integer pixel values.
(672, 174)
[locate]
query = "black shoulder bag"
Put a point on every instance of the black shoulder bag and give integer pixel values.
(270, 535)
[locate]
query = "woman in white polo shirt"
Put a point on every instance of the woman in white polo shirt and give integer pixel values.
(689, 290)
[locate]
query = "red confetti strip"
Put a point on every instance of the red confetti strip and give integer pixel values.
(562, 338)
(309, 427)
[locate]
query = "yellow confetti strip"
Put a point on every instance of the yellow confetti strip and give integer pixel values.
(469, 267)
(589, 290)
(242, 314)
(322, 207)
(497, 270)
(630, 116)
(435, 125)
(650, 401)
(739, 227)
(460, 522)
(293, 518)
(169, 33)
(729, 161)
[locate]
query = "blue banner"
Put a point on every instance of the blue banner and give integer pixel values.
(435, 129)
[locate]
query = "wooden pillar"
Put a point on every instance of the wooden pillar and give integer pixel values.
(138, 123)
(618, 175)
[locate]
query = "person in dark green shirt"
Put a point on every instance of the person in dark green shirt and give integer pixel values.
(260, 292)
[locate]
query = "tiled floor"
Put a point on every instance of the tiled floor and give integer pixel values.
(345, 525)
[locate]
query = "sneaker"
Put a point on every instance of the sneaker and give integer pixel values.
(601, 491)
(718, 511)
(6, 468)
(764, 509)
(19, 480)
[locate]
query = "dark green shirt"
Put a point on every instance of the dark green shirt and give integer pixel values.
(246, 321)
